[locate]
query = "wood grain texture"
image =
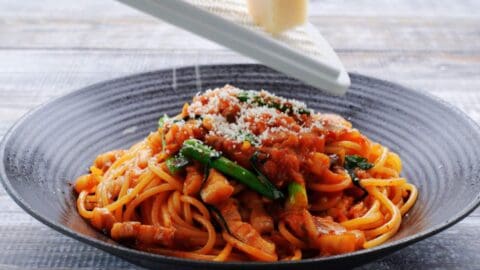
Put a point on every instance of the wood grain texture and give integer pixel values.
(91, 9)
(48, 48)
(345, 33)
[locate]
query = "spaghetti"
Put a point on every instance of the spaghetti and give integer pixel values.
(246, 175)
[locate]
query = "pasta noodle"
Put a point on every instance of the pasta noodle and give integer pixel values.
(245, 175)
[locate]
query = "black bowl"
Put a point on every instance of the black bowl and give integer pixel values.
(49, 147)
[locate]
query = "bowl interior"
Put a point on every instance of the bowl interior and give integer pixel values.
(48, 149)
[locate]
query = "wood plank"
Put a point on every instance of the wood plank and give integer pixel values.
(92, 9)
(28, 244)
(31, 77)
(423, 34)
(343, 32)
(19, 102)
(430, 8)
(389, 65)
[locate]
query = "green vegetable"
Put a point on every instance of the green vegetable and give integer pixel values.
(196, 150)
(243, 97)
(254, 160)
(218, 217)
(353, 162)
(162, 120)
(297, 196)
(176, 163)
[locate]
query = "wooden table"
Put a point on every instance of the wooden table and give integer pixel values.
(48, 48)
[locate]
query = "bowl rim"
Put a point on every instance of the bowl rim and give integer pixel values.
(122, 251)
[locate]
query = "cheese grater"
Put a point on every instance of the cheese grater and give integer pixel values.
(301, 53)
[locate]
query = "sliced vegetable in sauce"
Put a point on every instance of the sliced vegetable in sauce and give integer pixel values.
(297, 196)
(177, 163)
(218, 217)
(197, 150)
(254, 161)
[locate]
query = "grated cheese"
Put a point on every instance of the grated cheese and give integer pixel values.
(256, 109)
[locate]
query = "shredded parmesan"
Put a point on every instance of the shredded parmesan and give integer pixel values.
(240, 115)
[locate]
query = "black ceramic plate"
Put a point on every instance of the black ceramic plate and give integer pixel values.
(47, 149)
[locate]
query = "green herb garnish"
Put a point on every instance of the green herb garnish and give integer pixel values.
(243, 96)
(353, 162)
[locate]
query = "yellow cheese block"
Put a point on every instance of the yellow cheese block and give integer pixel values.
(276, 16)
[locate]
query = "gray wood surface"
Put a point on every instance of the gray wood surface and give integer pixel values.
(48, 48)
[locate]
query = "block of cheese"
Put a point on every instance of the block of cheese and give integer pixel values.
(276, 16)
